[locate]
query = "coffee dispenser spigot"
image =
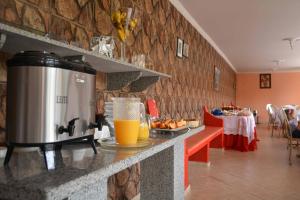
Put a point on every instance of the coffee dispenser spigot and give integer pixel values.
(100, 121)
(70, 128)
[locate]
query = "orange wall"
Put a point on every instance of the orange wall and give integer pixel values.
(285, 90)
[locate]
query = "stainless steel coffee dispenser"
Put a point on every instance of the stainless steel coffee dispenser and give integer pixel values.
(50, 101)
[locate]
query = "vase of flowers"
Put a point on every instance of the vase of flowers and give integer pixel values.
(124, 20)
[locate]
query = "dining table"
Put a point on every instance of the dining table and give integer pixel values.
(239, 132)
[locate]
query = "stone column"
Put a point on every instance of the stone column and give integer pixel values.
(162, 174)
(157, 176)
(97, 191)
(179, 170)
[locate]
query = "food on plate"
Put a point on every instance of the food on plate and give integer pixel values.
(244, 112)
(168, 124)
(192, 123)
(155, 124)
(181, 123)
(173, 125)
(228, 113)
(230, 108)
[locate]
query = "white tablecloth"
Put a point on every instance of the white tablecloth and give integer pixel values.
(239, 125)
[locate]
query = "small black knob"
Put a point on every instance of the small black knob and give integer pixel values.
(72, 121)
(70, 129)
(95, 125)
(71, 126)
(62, 129)
(100, 121)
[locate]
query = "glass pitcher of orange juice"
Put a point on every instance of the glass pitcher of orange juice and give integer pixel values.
(126, 115)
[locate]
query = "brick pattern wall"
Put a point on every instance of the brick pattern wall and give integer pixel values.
(3, 78)
(181, 96)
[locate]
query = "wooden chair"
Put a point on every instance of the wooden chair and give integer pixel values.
(292, 141)
(274, 119)
(268, 108)
(282, 125)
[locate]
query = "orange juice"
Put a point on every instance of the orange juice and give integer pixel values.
(126, 131)
(143, 131)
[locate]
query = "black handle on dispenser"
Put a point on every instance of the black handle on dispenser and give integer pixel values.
(71, 126)
(72, 122)
(96, 125)
(70, 129)
(100, 121)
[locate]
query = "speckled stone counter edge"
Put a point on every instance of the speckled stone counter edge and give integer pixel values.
(105, 172)
(99, 177)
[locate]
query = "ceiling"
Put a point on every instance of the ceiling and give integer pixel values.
(250, 32)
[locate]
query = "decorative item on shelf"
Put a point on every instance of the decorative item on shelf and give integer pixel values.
(124, 20)
(139, 60)
(103, 45)
(17, 40)
(185, 51)
(179, 48)
(265, 81)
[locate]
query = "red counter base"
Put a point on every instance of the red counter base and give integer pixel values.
(239, 142)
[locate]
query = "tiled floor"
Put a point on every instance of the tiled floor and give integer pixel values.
(261, 175)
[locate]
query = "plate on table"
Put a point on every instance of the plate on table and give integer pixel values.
(111, 142)
(171, 130)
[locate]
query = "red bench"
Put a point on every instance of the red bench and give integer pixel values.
(197, 146)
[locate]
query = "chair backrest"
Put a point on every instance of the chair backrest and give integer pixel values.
(286, 125)
(281, 115)
(268, 107)
(274, 113)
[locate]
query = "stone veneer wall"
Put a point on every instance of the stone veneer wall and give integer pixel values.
(181, 96)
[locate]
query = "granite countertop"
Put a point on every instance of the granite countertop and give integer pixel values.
(78, 166)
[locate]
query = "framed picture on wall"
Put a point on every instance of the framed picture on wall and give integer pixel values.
(265, 81)
(179, 49)
(185, 51)
(217, 76)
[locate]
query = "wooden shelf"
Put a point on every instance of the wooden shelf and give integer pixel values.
(20, 40)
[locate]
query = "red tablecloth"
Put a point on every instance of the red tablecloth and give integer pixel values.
(240, 142)
(239, 132)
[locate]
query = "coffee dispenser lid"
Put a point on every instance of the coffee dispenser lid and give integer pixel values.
(46, 59)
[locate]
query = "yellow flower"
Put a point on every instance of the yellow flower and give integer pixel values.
(122, 34)
(119, 21)
(123, 17)
(116, 18)
(132, 24)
